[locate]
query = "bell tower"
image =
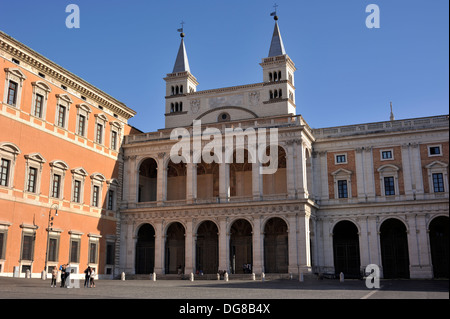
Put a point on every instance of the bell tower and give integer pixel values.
(179, 83)
(278, 73)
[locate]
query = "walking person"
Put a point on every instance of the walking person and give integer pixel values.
(87, 275)
(92, 277)
(54, 274)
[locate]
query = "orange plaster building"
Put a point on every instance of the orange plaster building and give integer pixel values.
(60, 142)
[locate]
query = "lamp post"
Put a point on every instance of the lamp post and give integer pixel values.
(50, 224)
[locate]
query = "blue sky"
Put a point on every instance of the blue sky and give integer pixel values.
(346, 73)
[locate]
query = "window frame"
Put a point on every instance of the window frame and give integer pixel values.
(58, 167)
(42, 89)
(10, 152)
(35, 161)
(18, 77)
(336, 156)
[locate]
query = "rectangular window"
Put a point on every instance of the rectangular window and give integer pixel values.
(99, 134)
(342, 189)
(386, 154)
(438, 182)
(435, 150)
(61, 116)
(32, 176)
(113, 140)
(12, 93)
(341, 159)
(77, 191)
(95, 193)
(4, 172)
(38, 104)
(81, 124)
(389, 187)
(74, 251)
(93, 253)
(53, 249)
(110, 200)
(27, 247)
(56, 186)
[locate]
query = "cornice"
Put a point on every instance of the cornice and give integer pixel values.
(48, 67)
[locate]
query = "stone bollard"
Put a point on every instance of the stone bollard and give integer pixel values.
(28, 274)
(263, 277)
(225, 276)
(290, 276)
(300, 277)
(253, 276)
(154, 276)
(341, 277)
(191, 277)
(43, 275)
(218, 276)
(122, 276)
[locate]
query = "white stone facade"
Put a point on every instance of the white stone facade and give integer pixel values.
(342, 198)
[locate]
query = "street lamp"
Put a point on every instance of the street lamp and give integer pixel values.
(50, 224)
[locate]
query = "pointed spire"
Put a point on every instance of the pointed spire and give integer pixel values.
(276, 46)
(181, 63)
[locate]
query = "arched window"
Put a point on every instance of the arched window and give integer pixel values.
(275, 76)
(279, 75)
(173, 90)
(270, 76)
(172, 109)
(181, 89)
(181, 105)
(176, 90)
(176, 107)
(271, 94)
(275, 94)
(280, 93)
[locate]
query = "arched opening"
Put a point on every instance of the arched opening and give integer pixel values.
(176, 181)
(241, 248)
(439, 246)
(241, 175)
(207, 248)
(145, 250)
(175, 249)
(346, 249)
(207, 180)
(148, 171)
(276, 257)
(394, 249)
(276, 183)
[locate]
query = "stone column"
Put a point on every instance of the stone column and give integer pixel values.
(290, 170)
(127, 250)
(161, 193)
(257, 185)
(191, 182)
(258, 253)
(293, 257)
(159, 247)
(189, 263)
(224, 182)
(419, 255)
(303, 242)
(223, 244)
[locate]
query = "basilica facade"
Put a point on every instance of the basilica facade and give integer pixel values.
(337, 200)
(236, 181)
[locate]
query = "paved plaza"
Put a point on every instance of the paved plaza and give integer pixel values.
(21, 288)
